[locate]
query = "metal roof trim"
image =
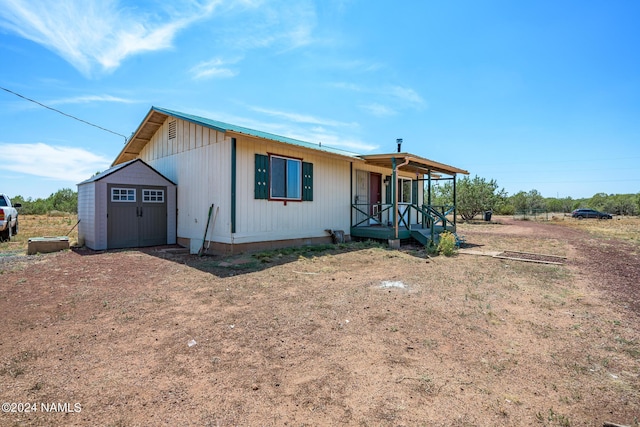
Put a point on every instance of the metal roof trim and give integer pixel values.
(120, 166)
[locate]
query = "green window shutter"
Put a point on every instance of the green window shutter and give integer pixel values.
(307, 181)
(262, 177)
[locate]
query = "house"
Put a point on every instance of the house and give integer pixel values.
(268, 191)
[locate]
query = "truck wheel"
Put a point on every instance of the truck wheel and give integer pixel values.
(14, 231)
(5, 235)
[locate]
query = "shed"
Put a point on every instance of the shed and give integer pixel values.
(129, 205)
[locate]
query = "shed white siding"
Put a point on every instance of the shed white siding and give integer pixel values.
(87, 214)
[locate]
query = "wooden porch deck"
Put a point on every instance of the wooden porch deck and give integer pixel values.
(416, 232)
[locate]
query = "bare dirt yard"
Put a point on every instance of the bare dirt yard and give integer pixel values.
(354, 334)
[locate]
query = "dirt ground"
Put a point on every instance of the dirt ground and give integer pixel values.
(356, 335)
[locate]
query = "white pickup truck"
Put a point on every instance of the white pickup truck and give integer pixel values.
(8, 218)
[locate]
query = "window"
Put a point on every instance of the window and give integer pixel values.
(153, 196)
(404, 190)
(283, 178)
(286, 178)
(123, 195)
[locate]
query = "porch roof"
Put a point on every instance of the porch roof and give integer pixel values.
(414, 163)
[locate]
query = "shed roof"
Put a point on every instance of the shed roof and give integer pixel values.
(118, 167)
(157, 116)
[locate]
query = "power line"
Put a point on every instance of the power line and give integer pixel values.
(63, 113)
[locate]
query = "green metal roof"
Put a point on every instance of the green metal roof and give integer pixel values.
(226, 127)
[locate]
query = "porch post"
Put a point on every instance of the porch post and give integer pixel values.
(455, 201)
(394, 191)
(429, 188)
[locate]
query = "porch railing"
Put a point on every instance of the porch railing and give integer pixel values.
(408, 214)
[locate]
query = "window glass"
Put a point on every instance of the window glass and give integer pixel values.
(123, 195)
(278, 177)
(286, 178)
(404, 190)
(293, 179)
(153, 196)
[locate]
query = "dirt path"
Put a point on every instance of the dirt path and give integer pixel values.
(358, 335)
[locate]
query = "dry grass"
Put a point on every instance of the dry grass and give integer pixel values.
(620, 227)
(40, 226)
(626, 228)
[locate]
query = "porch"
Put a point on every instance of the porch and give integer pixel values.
(408, 210)
(422, 223)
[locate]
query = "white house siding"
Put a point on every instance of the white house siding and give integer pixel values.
(267, 220)
(198, 160)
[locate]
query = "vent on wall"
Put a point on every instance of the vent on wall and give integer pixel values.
(172, 129)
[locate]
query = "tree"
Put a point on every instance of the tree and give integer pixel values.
(65, 200)
(477, 195)
(528, 202)
(598, 201)
(568, 204)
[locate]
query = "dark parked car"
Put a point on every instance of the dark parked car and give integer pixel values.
(590, 213)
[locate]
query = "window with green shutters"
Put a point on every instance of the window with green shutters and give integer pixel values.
(283, 178)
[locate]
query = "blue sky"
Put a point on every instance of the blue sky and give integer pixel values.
(540, 95)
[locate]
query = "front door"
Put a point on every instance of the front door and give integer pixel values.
(136, 216)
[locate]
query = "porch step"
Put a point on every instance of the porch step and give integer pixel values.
(422, 235)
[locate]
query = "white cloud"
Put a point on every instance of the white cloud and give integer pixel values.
(101, 35)
(301, 118)
(379, 110)
(407, 96)
(60, 163)
(279, 24)
(332, 139)
(305, 128)
(326, 131)
(214, 68)
(404, 93)
(91, 98)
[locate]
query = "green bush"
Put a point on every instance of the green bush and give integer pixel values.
(447, 244)
(65, 200)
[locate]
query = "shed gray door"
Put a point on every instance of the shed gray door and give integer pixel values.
(136, 216)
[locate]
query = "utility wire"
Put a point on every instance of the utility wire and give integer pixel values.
(63, 113)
